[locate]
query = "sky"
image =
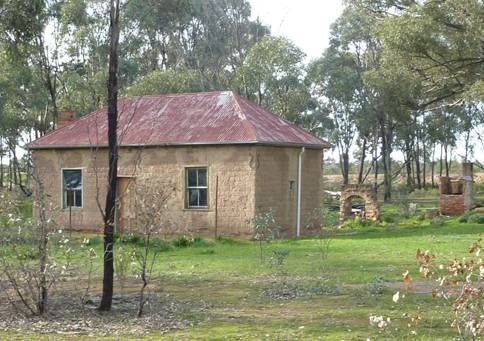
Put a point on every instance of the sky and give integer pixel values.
(305, 22)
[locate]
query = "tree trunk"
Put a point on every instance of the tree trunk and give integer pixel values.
(432, 170)
(424, 165)
(408, 166)
(386, 158)
(1, 163)
(440, 161)
(9, 171)
(108, 273)
(362, 161)
(417, 165)
(446, 159)
(345, 168)
(44, 237)
(375, 162)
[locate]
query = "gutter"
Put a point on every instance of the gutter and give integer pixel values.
(137, 145)
(299, 191)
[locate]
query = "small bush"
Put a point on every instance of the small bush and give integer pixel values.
(198, 241)
(94, 241)
(472, 217)
(477, 218)
(183, 241)
(160, 245)
(377, 286)
(357, 223)
(438, 221)
(226, 240)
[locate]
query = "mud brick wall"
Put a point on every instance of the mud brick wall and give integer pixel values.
(251, 179)
(452, 204)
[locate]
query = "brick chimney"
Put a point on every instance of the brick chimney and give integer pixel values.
(66, 116)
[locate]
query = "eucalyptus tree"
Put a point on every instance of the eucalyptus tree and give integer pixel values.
(273, 76)
(338, 87)
(441, 42)
(210, 36)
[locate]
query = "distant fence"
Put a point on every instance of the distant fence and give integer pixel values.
(334, 204)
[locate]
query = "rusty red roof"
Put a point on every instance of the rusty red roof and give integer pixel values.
(182, 119)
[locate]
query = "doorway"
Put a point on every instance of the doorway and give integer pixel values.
(125, 208)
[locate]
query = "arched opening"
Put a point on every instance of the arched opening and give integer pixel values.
(358, 201)
(355, 207)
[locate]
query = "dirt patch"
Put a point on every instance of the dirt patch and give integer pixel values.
(66, 315)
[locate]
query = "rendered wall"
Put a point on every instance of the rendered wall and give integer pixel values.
(276, 168)
(251, 179)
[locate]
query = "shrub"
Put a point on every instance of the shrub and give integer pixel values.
(472, 217)
(438, 221)
(226, 240)
(477, 218)
(377, 286)
(265, 229)
(357, 223)
(183, 241)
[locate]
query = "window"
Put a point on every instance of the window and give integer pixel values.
(72, 187)
(196, 185)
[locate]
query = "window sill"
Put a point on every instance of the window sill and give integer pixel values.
(201, 209)
(66, 209)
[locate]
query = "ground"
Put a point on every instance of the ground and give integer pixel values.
(220, 289)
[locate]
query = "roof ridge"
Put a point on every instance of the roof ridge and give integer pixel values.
(239, 110)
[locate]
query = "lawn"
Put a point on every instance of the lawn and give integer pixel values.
(222, 290)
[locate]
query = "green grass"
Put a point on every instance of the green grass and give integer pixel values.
(227, 275)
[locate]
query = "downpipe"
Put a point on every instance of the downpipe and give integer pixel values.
(299, 191)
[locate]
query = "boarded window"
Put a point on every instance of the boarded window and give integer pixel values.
(72, 187)
(196, 187)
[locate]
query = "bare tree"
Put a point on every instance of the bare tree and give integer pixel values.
(22, 240)
(108, 274)
(151, 219)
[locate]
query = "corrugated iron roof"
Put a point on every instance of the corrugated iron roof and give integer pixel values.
(182, 119)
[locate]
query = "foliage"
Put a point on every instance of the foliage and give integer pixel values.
(273, 76)
(279, 256)
(458, 284)
(472, 217)
(183, 241)
(265, 229)
(151, 196)
(377, 286)
(26, 248)
(357, 223)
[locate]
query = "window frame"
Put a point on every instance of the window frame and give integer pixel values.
(186, 203)
(63, 191)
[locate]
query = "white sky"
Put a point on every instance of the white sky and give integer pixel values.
(305, 22)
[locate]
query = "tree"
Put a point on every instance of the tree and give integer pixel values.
(109, 213)
(441, 42)
(338, 86)
(273, 76)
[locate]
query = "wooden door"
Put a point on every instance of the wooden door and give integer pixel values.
(126, 213)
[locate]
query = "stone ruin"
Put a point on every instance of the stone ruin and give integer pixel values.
(367, 193)
(456, 196)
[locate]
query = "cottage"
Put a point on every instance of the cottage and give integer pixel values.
(227, 158)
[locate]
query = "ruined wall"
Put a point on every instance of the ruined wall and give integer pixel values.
(456, 194)
(251, 179)
(367, 193)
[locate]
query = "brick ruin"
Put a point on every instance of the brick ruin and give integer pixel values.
(367, 193)
(456, 192)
